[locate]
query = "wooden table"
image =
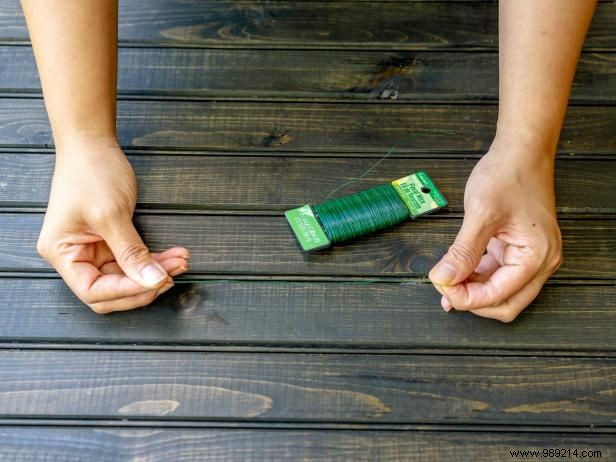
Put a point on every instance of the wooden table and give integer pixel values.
(261, 352)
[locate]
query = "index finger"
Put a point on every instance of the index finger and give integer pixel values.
(502, 284)
(92, 286)
(513, 306)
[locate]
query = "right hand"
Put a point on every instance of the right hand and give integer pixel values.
(88, 235)
(510, 211)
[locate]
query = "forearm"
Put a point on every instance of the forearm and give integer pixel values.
(540, 42)
(75, 45)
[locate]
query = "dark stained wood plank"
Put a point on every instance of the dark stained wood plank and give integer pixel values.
(280, 183)
(314, 387)
(286, 73)
(308, 74)
(103, 444)
(291, 23)
(222, 244)
(332, 314)
(12, 21)
(403, 25)
(275, 126)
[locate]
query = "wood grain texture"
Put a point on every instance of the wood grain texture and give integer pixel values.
(332, 314)
(28, 444)
(416, 76)
(279, 183)
(332, 388)
(403, 25)
(277, 126)
(255, 245)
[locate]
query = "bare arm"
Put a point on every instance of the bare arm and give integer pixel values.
(540, 43)
(88, 234)
(509, 199)
(75, 44)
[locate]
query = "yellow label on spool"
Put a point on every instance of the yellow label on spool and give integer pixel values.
(419, 193)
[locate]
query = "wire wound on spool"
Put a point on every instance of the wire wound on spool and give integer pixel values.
(354, 215)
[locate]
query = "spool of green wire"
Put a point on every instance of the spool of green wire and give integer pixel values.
(368, 211)
(344, 218)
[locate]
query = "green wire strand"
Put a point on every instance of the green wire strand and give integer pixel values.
(375, 165)
(358, 214)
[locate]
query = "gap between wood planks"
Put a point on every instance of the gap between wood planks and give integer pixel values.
(316, 349)
(213, 424)
(187, 96)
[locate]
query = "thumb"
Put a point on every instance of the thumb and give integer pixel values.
(132, 255)
(464, 254)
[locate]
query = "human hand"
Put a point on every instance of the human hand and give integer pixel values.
(88, 235)
(510, 210)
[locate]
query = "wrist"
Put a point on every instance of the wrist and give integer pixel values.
(81, 146)
(531, 150)
(531, 139)
(81, 143)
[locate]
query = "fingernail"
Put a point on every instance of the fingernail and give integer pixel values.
(443, 273)
(152, 275)
(165, 288)
(180, 270)
(445, 304)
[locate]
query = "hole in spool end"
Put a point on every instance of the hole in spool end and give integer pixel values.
(425, 190)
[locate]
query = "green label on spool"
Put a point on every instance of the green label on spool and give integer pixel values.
(419, 193)
(307, 228)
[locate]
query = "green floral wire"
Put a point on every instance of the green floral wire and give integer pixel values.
(355, 215)
(358, 214)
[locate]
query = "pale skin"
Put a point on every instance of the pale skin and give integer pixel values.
(509, 243)
(88, 235)
(509, 201)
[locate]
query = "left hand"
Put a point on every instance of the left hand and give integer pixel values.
(510, 210)
(88, 234)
